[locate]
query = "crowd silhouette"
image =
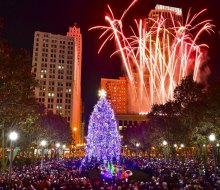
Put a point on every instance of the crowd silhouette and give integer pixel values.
(67, 174)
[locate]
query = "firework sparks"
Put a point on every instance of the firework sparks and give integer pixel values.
(156, 58)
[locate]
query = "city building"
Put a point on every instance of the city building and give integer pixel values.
(77, 101)
(57, 67)
(171, 15)
(125, 121)
(117, 93)
(116, 90)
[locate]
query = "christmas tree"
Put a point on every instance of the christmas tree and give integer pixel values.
(103, 139)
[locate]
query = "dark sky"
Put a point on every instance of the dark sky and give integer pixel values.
(23, 17)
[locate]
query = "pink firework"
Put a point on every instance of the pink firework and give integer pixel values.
(156, 56)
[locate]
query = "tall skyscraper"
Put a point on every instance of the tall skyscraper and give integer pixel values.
(171, 15)
(116, 90)
(57, 66)
(76, 123)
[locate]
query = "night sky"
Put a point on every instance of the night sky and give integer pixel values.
(23, 17)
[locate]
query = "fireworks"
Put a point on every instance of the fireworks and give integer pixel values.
(156, 57)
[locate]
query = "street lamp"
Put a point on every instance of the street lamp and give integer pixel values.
(181, 151)
(137, 146)
(125, 150)
(165, 143)
(43, 144)
(217, 153)
(57, 150)
(57, 145)
(165, 149)
(74, 133)
(75, 141)
(212, 138)
(175, 150)
(13, 136)
(64, 147)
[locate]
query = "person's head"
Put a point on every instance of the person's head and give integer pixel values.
(217, 184)
(164, 185)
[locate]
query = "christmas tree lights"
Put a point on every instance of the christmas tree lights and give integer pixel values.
(103, 139)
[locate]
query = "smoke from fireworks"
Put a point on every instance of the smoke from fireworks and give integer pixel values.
(156, 57)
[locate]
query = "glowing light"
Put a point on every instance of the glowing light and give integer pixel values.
(165, 143)
(157, 58)
(137, 144)
(13, 136)
(102, 93)
(51, 94)
(43, 143)
(143, 113)
(109, 171)
(57, 145)
(212, 137)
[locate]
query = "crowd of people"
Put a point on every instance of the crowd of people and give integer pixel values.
(68, 174)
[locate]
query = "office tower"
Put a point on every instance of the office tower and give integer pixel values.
(150, 86)
(57, 67)
(171, 15)
(118, 94)
(158, 32)
(77, 102)
(116, 90)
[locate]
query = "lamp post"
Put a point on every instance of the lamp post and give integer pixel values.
(137, 147)
(165, 149)
(212, 139)
(182, 152)
(204, 154)
(64, 147)
(43, 144)
(175, 151)
(126, 148)
(217, 154)
(57, 150)
(74, 133)
(13, 137)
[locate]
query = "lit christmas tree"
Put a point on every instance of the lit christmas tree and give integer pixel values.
(103, 139)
